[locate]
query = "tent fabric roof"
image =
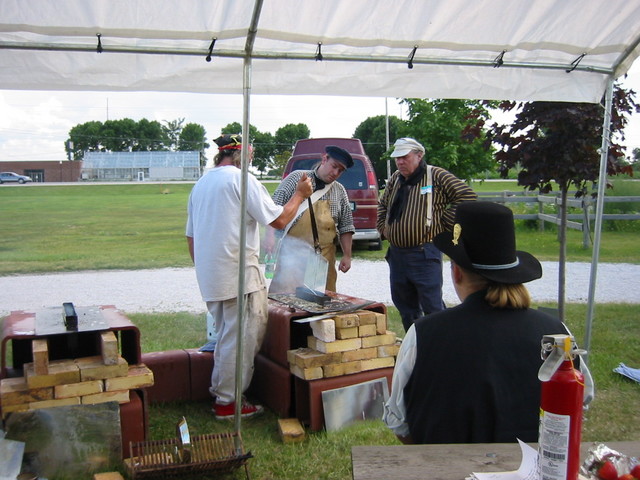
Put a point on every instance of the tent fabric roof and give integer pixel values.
(455, 47)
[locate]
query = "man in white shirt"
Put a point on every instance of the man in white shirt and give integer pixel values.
(213, 237)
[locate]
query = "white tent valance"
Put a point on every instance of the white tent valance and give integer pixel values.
(488, 49)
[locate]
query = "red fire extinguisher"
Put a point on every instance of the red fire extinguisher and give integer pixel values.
(561, 407)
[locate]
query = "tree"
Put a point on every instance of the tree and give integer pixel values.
(287, 136)
(373, 134)
(263, 145)
(554, 142)
(86, 137)
(172, 129)
(453, 133)
(150, 137)
(193, 137)
(126, 135)
(279, 162)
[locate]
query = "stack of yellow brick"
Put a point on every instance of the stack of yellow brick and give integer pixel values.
(345, 344)
(87, 380)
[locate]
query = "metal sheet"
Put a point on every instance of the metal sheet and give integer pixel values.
(311, 307)
(68, 442)
(315, 273)
(51, 321)
(10, 458)
(363, 401)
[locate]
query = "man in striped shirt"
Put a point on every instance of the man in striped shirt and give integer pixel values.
(417, 204)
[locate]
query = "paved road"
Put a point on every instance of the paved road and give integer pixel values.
(175, 289)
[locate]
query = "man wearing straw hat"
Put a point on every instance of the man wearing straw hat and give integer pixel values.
(469, 374)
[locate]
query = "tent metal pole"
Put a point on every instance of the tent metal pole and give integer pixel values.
(243, 242)
(265, 55)
(245, 160)
(602, 182)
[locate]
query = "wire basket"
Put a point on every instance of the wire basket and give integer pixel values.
(166, 458)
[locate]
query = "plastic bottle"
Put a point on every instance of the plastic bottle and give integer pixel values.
(269, 265)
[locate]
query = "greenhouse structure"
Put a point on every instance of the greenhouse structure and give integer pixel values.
(141, 166)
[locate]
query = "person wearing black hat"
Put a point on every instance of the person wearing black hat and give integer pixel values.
(334, 221)
(212, 231)
(469, 374)
(418, 203)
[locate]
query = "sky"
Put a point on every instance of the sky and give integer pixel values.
(35, 124)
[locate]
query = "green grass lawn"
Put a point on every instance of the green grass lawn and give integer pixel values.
(89, 227)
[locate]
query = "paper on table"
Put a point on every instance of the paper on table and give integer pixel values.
(527, 471)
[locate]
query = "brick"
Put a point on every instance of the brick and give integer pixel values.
(7, 409)
(367, 330)
(92, 368)
(40, 351)
(307, 358)
(337, 346)
(388, 350)
(378, 363)
(108, 476)
(324, 330)
(347, 332)
(312, 373)
(388, 338)
(120, 396)
(78, 389)
(333, 370)
(346, 320)
(61, 372)
(56, 402)
(338, 369)
(139, 376)
(366, 317)
(109, 348)
(360, 354)
(15, 391)
(291, 430)
(381, 323)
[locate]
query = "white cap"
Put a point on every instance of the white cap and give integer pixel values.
(405, 145)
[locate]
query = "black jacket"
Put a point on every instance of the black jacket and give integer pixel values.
(476, 374)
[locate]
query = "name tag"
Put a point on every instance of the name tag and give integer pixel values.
(426, 189)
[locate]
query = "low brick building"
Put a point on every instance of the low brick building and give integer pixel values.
(46, 170)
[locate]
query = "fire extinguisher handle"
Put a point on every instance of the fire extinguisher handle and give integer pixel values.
(550, 365)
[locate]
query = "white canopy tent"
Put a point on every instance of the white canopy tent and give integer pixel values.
(555, 50)
(365, 45)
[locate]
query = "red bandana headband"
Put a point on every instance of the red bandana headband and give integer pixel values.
(237, 146)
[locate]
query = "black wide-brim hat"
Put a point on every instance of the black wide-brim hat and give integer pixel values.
(484, 241)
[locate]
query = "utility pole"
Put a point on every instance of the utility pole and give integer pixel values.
(386, 128)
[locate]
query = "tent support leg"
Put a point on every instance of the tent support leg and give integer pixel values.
(245, 160)
(602, 182)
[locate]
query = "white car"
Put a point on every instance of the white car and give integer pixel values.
(13, 177)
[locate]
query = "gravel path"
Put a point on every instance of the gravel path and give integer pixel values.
(175, 289)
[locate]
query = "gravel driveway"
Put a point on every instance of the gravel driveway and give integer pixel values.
(175, 289)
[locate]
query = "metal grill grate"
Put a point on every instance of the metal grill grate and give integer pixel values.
(208, 453)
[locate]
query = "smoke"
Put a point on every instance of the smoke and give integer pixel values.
(297, 264)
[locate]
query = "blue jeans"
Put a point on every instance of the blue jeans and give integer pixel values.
(415, 275)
